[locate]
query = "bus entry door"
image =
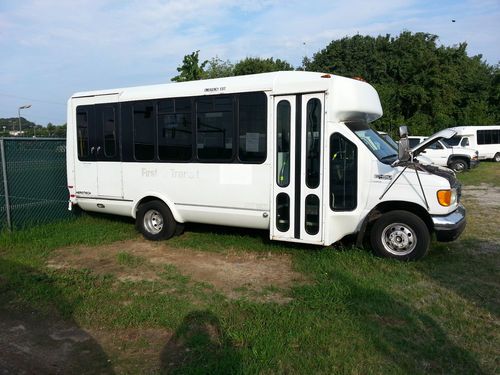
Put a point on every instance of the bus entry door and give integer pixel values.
(297, 207)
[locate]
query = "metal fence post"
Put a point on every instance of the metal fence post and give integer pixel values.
(5, 183)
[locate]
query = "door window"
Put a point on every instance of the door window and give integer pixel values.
(313, 136)
(283, 143)
(343, 173)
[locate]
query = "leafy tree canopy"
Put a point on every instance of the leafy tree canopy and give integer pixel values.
(420, 83)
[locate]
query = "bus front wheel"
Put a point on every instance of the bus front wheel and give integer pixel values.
(155, 221)
(400, 235)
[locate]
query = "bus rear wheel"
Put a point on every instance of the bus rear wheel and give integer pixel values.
(155, 221)
(400, 235)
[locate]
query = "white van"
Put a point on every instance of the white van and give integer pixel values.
(440, 153)
(484, 139)
(287, 152)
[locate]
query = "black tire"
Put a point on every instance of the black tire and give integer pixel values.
(400, 235)
(155, 221)
(459, 165)
(497, 157)
(179, 229)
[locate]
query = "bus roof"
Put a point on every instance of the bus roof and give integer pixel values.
(358, 99)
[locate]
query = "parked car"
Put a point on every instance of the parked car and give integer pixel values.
(440, 153)
(484, 139)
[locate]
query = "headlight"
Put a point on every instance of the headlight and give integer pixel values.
(447, 197)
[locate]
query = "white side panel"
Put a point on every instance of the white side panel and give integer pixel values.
(85, 178)
(109, 179)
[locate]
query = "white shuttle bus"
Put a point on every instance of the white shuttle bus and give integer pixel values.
(485, 139)
(288, 152)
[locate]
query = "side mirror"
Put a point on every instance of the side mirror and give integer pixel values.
(404, 144)
(403, 131)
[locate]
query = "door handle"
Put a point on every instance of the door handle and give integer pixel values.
(98, 149)
(92, 150)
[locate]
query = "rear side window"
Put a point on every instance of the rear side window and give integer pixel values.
(82, 129)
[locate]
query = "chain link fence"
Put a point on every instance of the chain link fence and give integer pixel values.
(33, 181)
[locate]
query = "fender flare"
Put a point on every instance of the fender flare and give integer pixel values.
(149, 196)
(467, 158)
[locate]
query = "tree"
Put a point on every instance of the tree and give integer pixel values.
(253, 65)
(426, 86)
(217, 68)
(191, 69)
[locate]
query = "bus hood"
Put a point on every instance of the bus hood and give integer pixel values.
(443, 134)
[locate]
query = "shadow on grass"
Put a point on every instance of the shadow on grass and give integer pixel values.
(38, 335)
(469, 268)
(200, 346)
(410, 339)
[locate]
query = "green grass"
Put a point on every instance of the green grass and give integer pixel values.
(487, 172)
(357, 314)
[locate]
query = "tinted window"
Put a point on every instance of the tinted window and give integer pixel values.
(435, 146)
(82, 129)
(144, 130)
(214, 131)
(175, 135)
(413, 142)
(465, 142)
(283, 212)
(252, 127)
(313, 146)
(312, 214)
(453, 141)
(109, 131)
(343, 173)
(283, 143)
(488, 137)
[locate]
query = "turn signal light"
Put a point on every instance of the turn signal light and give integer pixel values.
(447, 197)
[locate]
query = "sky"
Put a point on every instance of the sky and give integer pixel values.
(50, 49)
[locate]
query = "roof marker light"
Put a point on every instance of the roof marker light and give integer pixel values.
(326, 76)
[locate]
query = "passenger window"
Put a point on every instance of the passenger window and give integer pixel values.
(313, 146)
(343, 173)
(283, 113)
(109, 131)
(214, 132)
(175, 135)
(465, 142)
(252, 116)
(144, 131)
(82, 128)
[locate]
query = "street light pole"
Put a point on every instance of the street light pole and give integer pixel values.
(19, 114)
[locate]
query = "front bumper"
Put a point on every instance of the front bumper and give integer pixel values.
(449, 227)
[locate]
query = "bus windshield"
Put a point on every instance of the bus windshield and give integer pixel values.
(375, 143)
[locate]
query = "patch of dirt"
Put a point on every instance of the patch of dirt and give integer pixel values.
(262, 277)
(485, 195)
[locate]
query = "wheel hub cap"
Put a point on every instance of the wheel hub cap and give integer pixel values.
(153, 221)
(399, 239)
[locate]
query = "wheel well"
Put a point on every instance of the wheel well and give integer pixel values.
(146, 200)
(387, 206)
(459, 157)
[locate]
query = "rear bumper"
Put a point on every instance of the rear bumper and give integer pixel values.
(449, 227)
